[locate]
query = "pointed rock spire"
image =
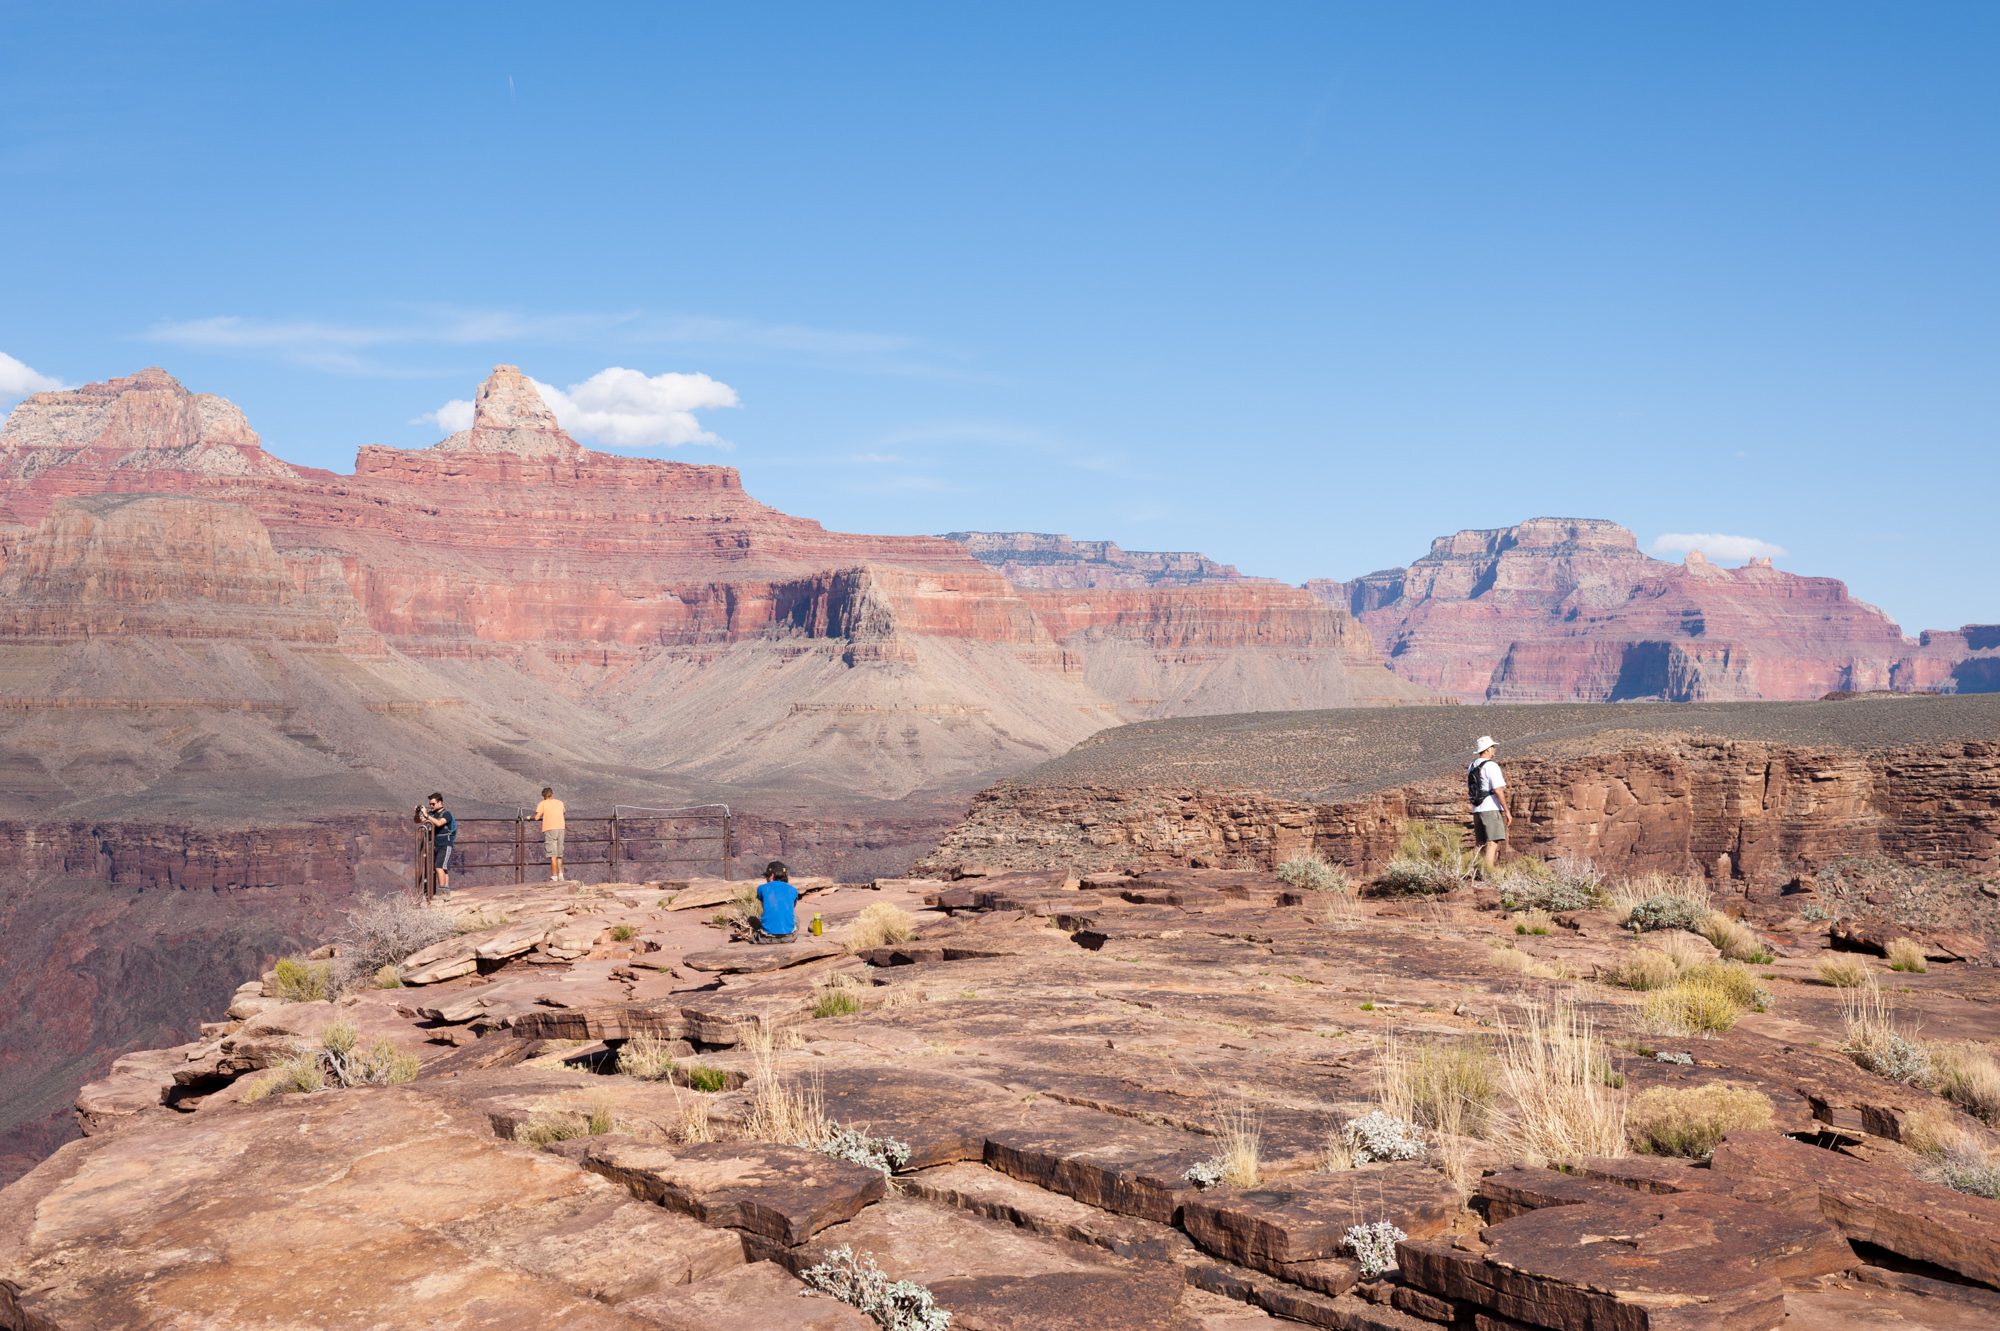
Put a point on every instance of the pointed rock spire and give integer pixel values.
(510, 416)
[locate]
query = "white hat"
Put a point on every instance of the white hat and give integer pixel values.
(1485, 743)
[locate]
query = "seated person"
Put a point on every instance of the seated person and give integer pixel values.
(777, 896)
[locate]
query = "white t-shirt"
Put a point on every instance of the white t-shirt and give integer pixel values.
(1494, 781)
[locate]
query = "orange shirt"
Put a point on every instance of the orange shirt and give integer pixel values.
(550, 811)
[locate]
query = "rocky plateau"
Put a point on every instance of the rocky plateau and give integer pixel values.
(608, 1116)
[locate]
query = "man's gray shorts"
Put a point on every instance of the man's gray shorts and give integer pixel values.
(1488, 825)
(552, 843)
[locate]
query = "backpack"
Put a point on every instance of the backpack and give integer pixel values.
(1476, 789)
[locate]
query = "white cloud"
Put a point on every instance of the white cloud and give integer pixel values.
(621, 408)
(360, 348)
(17, 380)
(1716, 545)
(452, 417)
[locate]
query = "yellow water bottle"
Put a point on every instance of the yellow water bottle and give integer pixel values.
(818, 925)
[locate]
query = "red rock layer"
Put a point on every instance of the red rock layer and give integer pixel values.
(1750, 814)
(1569, 610)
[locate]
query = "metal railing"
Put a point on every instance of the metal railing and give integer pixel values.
(631, 837)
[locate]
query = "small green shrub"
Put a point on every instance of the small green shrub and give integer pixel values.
(623, 932)
(1667, 912)
(1693, 1121)
(1560, 885)
(298, 980)
(1313, 873)
(837, 1003)
(857, 1147)
(703, 1077)
(1535, 921)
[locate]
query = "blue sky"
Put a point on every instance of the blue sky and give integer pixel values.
(1298, 286)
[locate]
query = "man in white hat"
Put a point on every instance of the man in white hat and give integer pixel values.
(1486, 787)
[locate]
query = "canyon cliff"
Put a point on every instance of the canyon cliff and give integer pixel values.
(222, 676)
(1752, 795)
(1570, 610)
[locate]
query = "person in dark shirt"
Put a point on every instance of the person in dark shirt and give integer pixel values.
(444, 832)
(778, 922)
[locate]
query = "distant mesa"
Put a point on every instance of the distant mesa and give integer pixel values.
(1042, 559)
(1570, 610)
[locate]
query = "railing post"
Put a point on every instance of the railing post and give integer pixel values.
(728, 851)
(611, 867)
(426, 861)
(520, 849)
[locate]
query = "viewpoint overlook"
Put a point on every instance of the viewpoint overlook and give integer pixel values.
(1155, 989)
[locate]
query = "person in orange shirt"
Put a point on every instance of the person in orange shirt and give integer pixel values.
(549, 813)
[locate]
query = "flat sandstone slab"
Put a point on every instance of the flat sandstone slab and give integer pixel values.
(783, 1193)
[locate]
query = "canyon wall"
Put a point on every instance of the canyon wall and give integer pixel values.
(1562, 609)
(1752, 816)
(223, 677)
(1749, 794)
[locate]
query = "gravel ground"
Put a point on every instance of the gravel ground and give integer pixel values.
(1338, 754)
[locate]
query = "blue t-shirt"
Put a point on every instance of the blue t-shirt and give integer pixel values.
(778, 899)
(446, 835)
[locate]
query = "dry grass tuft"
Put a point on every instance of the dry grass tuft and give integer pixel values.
(1644, 968)
(1241, 1137)
(1448, 1086)
(1689, 1008)
(1693, 1121)
(545, 1129)
(879, 925)
(1930, 1131)
(1552, 1073)
(1905, 954)
(1842, 972)
(1874, 1042)
(1968, 1076)
(1686, 950)
(646, 1057)
(1732, 938)
(1529, 967)
(1431, 859)
(1691, 888)
(782, 1110)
